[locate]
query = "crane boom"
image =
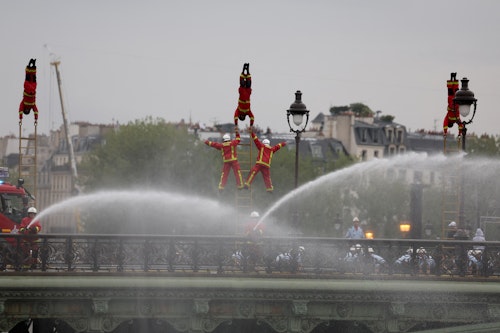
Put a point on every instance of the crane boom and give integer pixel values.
(71, 153)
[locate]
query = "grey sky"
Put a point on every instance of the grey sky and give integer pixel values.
(125, 60)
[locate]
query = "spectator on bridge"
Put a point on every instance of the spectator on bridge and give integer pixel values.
(479, 237)
(355, 232)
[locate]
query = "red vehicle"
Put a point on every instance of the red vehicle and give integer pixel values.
(14, 201)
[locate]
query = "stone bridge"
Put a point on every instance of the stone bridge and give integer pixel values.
(125, 283)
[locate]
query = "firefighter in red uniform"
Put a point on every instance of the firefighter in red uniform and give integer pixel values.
(244, 91)
(263, 163)
(230, 158)
(452, 114)
(29, 94)
(30, 246)
(252, 250)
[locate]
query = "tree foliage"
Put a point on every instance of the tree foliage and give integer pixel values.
(484, 145)
(359, 109)
(151, 154)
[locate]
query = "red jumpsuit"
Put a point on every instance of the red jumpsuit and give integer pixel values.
(263, 163)
(30, 244)
(29, 95)
(230, 159)
(252, 250)
(452, 114)
(244, 91)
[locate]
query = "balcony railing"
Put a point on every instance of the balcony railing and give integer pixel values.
(268, 256)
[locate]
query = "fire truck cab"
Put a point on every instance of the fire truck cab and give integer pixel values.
(14, 200)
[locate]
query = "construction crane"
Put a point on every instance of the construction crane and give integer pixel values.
(69, 142)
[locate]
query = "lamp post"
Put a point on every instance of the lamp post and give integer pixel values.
(464, 98)
(338, 224)
(428, 229)
(416, 210)
(297, 110)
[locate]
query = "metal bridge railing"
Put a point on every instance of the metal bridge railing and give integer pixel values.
(294, 256)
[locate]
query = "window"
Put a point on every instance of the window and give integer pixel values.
(363, 155)
(317, 152)
(400, 136)
(389, 135)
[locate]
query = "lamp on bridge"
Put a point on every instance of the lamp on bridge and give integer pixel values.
(297, 110)
(464, 98)
(405, 227)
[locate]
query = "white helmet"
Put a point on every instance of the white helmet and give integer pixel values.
(32, 210)
(266, 142)
(254, 214)
(226, 137)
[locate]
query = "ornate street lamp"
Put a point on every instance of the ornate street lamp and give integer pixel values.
(464, 98)
(297, 110)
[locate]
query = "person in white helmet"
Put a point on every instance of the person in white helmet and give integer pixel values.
(252, 249)
(355, 232)
(263, 163)
(452, 230)
(254, 228)
(29, 225)
(229, 153)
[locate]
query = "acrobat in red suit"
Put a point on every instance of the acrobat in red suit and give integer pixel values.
(228, 149)
(263, 163)
(245, 90)
(452, 114)
(29, 95)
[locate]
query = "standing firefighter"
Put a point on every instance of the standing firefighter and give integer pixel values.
(263, 163)
(29, 95)
(452, 114)
(30, 226)
(228, 149)
(244, 91)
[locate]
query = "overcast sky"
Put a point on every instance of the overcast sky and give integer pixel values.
(123, 60)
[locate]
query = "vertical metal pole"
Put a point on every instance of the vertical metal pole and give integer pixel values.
(297, 143)
(461, 210)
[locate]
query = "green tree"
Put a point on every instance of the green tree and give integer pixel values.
(484, 145)
(359, 109)
(152, 154)
(387, 118)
